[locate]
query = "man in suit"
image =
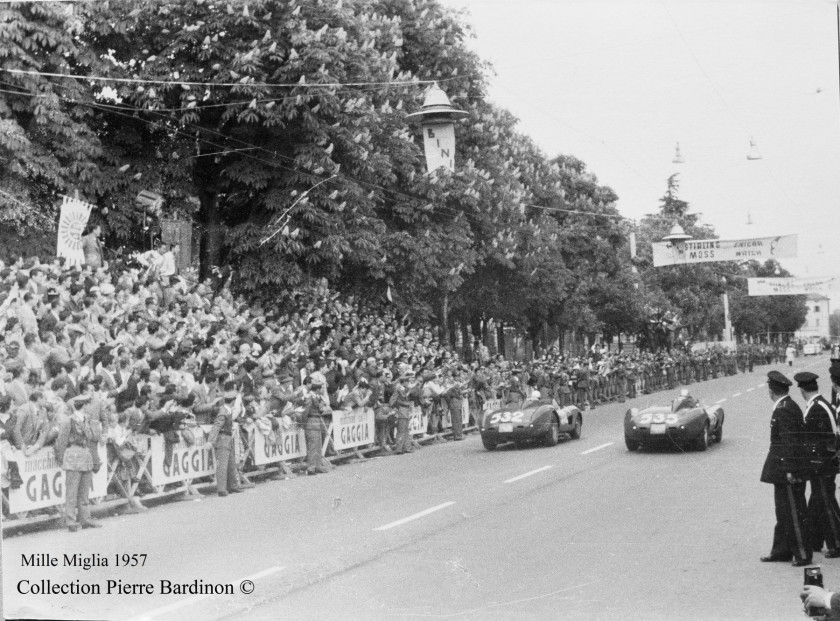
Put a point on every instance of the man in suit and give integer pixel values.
(786, 469)
(820, 442)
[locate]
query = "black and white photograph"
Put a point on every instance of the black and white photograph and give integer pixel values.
(393, 310)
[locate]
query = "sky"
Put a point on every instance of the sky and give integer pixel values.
(618, 83)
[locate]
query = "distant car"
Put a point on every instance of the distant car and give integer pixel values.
(686, 423)
(811, 349)
(533, 419)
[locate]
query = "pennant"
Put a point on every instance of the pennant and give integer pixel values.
(388, 294)
(73, 219)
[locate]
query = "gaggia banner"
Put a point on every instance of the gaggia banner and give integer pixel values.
(180, 461)
(43, 480)
(352, 428)
(464, 411)
(713, 250)
(419, 422)
(290, 444)
(791, 286)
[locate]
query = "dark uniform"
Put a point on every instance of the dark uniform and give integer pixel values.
(315, 407)
(221, 437)
(73, 451)
(400, 402)
(786, 468)
(820, 441)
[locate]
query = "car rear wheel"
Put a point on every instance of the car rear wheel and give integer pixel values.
(553, 435)
(719, 434)
(575, 433)
(703, 439)
(632, 445)
(488, 443)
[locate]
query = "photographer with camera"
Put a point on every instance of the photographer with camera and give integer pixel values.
(818, 602)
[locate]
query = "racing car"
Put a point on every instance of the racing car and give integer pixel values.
(533, 419)
(686, 423)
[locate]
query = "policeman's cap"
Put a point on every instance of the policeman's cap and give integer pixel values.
(777, 380)
(806, 380)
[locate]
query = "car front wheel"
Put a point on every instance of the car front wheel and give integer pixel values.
(632, 445)
(575, 433)
(703, 438)
(553, 435)
(488, 443)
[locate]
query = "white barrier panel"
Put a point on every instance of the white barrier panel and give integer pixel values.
(290, 445)
(465, 415)
(187, 462)
(352, 428)
(43, 480)
(419, 422)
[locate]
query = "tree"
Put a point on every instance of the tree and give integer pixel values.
(46, 145)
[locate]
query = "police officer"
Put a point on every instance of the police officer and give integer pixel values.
(400, 402)
(315, 407)
(785, 469)
(820, 441)
(73, 451)
(221, 439)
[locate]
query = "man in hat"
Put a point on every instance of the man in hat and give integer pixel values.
(221, 439)
(315, 407)
(820, 438)
(73, 452)
(785, 469)
(400, 402)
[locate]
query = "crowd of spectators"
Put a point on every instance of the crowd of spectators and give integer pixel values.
(145, 351)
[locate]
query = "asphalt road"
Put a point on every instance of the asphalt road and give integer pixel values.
(584, 530)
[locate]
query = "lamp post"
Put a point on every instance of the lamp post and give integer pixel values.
(437, 119)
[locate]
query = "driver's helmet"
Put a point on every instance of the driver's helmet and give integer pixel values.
(535, 396)
(684, 401)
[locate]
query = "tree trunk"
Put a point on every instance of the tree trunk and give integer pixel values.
(444, 320)
(212, 234)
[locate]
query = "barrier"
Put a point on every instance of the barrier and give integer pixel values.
(352, 428)
(290, 444)
(43, 480)
(185, 463)
(418, 422)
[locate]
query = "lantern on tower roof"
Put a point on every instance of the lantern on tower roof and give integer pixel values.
(437, 118)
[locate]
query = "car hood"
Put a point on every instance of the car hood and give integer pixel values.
(660, 414)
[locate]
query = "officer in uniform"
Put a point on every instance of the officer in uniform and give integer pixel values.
(820, 442)
(515, 390)
(221, 439)
(400, 402)
(76, 436)
(315, 407)
(785, 469)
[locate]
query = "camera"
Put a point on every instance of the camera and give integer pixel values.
(813, 576)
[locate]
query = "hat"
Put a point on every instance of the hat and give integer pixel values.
(806, 381)
(84, 398)
(315, 383)
(778, 381)
(834, 372)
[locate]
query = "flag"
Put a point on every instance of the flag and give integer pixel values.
(74, 218)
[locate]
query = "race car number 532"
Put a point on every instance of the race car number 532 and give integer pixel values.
(506, 417)
(648, 418)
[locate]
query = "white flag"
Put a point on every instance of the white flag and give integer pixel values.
(74, 217)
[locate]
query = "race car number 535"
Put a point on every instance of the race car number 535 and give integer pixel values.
(648, 418)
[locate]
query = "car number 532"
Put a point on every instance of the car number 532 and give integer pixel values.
(506, 417)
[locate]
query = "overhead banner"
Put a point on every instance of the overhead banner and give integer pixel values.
(74, 217)
(791, 286)
(714, 250)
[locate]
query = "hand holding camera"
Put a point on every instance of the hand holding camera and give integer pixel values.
(813, 595)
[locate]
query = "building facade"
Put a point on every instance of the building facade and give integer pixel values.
(817, 320)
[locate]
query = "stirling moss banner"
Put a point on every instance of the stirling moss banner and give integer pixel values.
(713, 250)
(791, 286)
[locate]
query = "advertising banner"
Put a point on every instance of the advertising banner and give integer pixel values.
(73, 219)
(43, 480)
(714, 250)
(352, 428)
(290, 444)
(183, 462)
(439, 143)
(791, 286)
(464, 412)
(419, 422)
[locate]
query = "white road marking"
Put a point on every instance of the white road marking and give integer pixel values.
(527, 474)
(196, 598)
(415, 516)
(720, 401)
(597, 448)
(750, 389)
(760, 386)
(737, 394)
